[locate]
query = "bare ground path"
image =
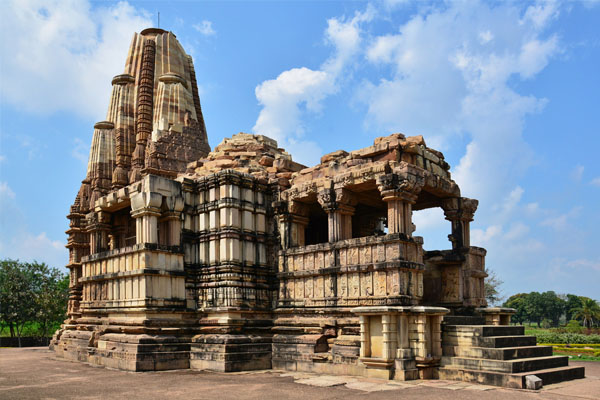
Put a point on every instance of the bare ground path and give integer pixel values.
(34, 373)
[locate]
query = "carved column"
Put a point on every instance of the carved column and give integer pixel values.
(400, 193)
(78, 245)
(145, 208)
(98, 227)
(365, 342)
(326, 199)
(339, 206)
(346, 202)
(460, 211)
(390, 338)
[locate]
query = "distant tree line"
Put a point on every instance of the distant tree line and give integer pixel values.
(33, 295)
(548, 309)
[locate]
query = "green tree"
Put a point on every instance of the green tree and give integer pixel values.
(534, 307)
(518, 302)
(492, 287)
(573, 302)
(553, 307)
(17, 300)
(31, 293)
(588, 312)
(52, 295)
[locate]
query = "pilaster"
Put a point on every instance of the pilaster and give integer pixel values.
(145, 208)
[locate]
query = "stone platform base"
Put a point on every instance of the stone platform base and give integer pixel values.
(123, 351)
(230, 353)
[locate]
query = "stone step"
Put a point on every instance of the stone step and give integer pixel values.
(512, 380)
(484, 330)
(462, 320)
(507, 366)
(504, 353)
(556, 375)
(506, 341)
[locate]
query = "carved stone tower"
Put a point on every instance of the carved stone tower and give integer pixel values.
(154, 125)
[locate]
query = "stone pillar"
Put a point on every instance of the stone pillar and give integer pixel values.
(98, 227)
(403, 342)
(436, 335)
(145, 208)
(400, 193)
(365, 342)
(459, 211)
(346, 202)
(390, 338)
(338, 204)
(173, 218)
(420, 335)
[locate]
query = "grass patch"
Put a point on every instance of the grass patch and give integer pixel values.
(576, 357)
(31, 329)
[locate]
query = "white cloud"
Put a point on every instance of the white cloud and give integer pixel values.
(26, 246)
(300, 90)
(510, 202)
(517, 231)
(205, 28)
(2, 158)
(595, 181)
(583, 263)
(480, 237)
(532, 208)
(6, 191)
(560, 222)
(451, 70)
(540, 13)
(391, 4)
(282, 96)
(577, 173)
(80, 151)
(485, 37)
(80, 47)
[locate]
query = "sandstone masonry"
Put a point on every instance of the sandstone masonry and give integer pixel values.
(240, 258)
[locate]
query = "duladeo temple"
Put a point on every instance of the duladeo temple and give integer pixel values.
(241, 259)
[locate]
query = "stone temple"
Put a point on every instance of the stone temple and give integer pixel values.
(241, 259)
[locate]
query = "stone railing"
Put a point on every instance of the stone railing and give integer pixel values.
(143, 275)
(376, 270)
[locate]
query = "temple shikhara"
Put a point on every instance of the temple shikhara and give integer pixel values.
(241, 259)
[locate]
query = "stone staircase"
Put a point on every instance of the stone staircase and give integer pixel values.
(500, 356)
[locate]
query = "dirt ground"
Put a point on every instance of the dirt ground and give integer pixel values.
(34, 373)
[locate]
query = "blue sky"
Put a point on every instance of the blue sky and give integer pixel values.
(508, 91)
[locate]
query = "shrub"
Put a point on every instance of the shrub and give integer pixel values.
(546, 323)
(572, 350)
(565, 338)
(572, 345)
(574, 327)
